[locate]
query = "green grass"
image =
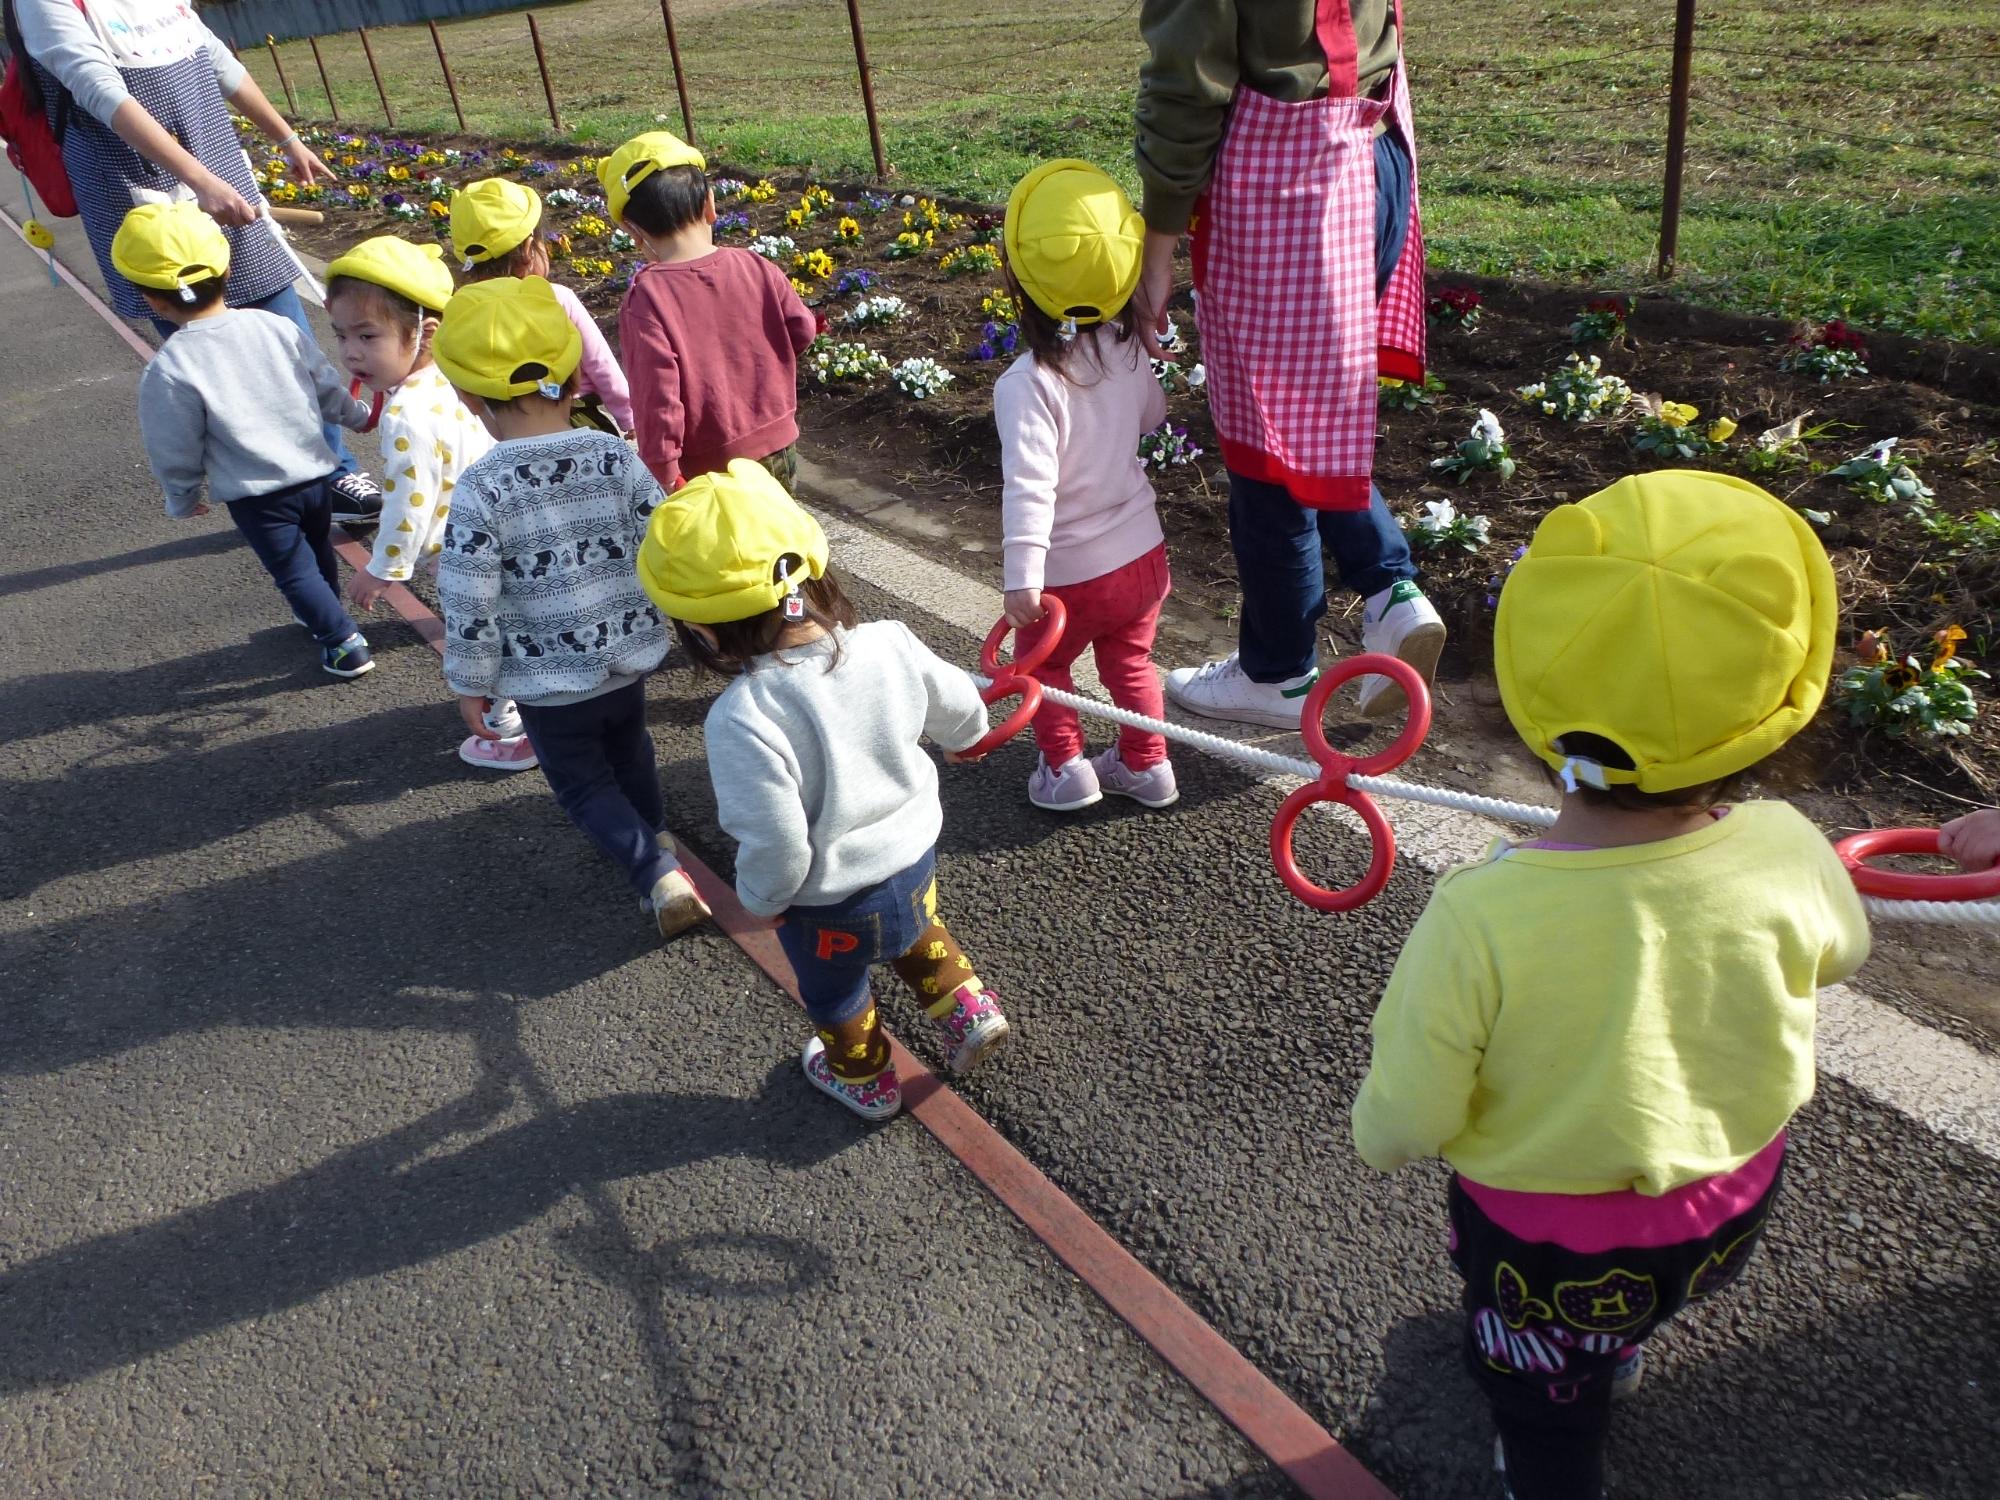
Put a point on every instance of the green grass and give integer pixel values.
(1844, 155)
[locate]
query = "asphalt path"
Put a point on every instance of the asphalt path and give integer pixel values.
(358, 1141)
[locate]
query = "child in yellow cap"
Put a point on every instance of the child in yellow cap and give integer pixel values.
(710, 335)
(539, 582)
(815, 752)
(385, 297)
(1076, 509)
(237, 400)
(1605, 1031)
(493, 233)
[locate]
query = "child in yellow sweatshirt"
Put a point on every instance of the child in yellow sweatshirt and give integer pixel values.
(1605, 1030)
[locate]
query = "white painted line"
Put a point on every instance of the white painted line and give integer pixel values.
(1935, 1079)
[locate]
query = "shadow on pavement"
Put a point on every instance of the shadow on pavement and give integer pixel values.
(200, 544)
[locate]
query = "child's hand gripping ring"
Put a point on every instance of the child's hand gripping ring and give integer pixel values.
(1903, 885)
(1009, 678)
(374, 411)
(1332, 785)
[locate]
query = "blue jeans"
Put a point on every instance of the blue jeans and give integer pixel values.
(598, 758)
(289, 530)
(1279, 542)
(832, 947)
(285, 303)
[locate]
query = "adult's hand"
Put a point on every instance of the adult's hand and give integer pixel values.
(221, 202)
(1973, 840)
(305, 165)
(1155, 290)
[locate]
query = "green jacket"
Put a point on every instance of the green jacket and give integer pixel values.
(1201, 50)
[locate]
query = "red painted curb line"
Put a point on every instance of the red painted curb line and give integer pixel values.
(1273, 1423)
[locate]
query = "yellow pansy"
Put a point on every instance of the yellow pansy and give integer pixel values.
(1721, 430)
(1677, 413)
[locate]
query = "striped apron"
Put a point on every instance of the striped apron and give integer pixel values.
(106, 173)
(1284, 272)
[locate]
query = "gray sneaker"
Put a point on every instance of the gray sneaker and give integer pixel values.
(1152, 787)
(1070, 788)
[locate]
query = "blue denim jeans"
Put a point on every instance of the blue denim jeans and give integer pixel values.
(285, 303)
(289, 530)
(1279, 543)
(598, 758)
(833, 947)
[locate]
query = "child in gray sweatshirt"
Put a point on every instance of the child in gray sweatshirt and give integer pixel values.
(819, 772)
(234, 401)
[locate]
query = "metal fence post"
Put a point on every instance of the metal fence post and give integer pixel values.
(868, 88)
(1677, 129)
(542, 62)
(450, 83)
(680, 79)
(380, 92)
(332, 104)
(291, 101)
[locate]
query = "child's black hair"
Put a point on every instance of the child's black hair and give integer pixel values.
(1044, 334)
(196, 296)
(739, 642)
(516, 262)
(532, 371)
(395, 307)
(1628, 798)
(668, 201)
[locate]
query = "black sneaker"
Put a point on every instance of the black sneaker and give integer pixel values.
(357, 500)
(349, 659)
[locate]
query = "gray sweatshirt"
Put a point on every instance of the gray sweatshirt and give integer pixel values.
(818, 772)
(239, 399)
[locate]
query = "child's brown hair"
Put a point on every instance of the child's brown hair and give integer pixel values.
(1044, 335)
(737, 643)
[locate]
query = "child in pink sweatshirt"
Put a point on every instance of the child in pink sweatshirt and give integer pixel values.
(1076, 506)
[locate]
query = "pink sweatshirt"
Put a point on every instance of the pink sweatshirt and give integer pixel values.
(599, 370)
(1075, 502)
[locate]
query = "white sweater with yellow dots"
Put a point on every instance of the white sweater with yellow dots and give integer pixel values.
(428, 437)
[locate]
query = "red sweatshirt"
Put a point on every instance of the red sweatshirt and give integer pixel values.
(711, 348)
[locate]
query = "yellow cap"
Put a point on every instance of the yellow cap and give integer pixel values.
(414, 271)
(1687, 617)
(711, 552)
(169, 246)
(638, 159)
(490, 218)
(1074, 241)
(492, 328)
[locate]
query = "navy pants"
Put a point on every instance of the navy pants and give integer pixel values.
(285, 303)
(598, 758)
(290, 531)
(1279, 542)
(833, 947)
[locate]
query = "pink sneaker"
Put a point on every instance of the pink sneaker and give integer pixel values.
(1153, 787)
(972, 1028)
(499, 755)
(877, 1099)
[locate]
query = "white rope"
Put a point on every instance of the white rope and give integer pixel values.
(1256, 758)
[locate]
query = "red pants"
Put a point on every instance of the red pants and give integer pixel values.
(1114, 616)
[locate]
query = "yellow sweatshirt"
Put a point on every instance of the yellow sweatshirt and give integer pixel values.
(1610, 1019)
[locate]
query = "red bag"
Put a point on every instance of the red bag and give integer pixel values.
(32, 147)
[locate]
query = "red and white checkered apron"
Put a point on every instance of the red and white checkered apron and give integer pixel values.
(1284, 271)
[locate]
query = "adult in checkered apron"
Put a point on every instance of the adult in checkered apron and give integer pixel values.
(1279, 131)
(135, 93)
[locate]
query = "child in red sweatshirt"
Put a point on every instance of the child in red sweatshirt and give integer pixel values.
(709, 336)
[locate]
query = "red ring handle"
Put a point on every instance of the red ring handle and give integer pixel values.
(374, 412)
(1856, 849)
(1055, 620)
(1332, 786)
(1006, 687)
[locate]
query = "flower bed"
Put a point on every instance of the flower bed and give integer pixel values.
(1909, 565)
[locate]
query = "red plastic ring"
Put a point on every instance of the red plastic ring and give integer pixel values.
(1856, 849)
(374, 411)
(1006, 687)
(1332, 786)
(1054, 618)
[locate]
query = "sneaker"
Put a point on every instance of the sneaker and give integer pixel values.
(357, 500)
(675, 904)
(1220, 690)
(1627, 1374)
(877, 1099)
(503, 718)
(1069, 788)
(1152, 787)
(1399, 622)
(972, 1028)
(349, 659)
(512, 754)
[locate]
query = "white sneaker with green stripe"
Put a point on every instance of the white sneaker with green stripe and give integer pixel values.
(1402, 623)
(1220, 690)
